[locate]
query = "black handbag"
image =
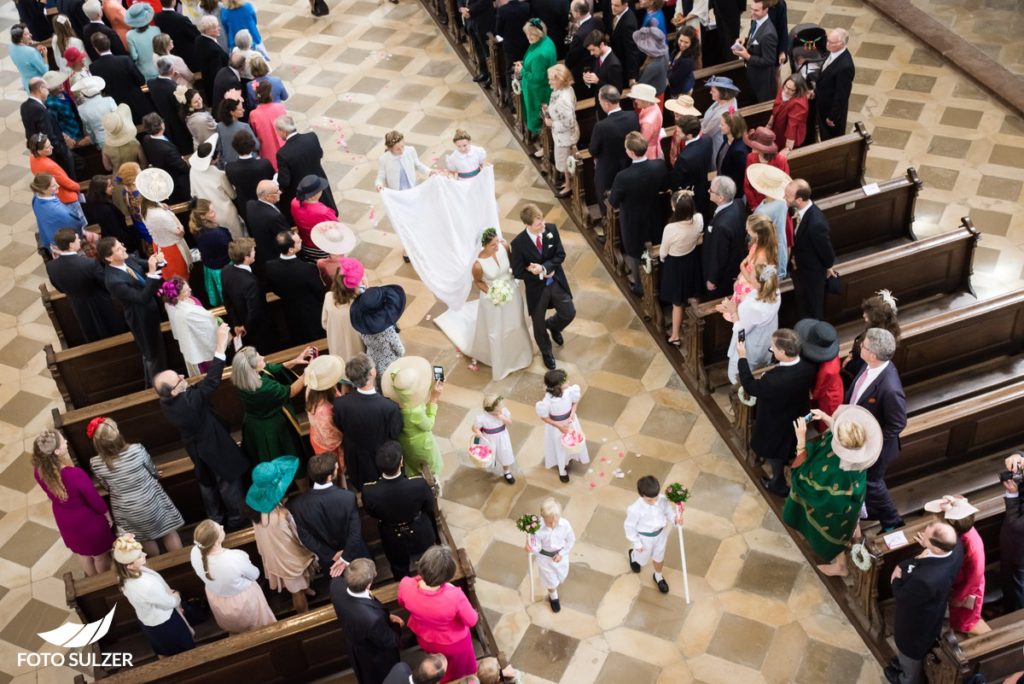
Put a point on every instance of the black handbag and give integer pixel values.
(833, 284)
(196, 611)
(320, 8)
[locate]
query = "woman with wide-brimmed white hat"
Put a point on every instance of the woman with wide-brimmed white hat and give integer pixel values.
(93, 106)
(155, 186)
(771, 182)
(210, 183)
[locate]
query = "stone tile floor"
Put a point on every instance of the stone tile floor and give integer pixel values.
(758, 613)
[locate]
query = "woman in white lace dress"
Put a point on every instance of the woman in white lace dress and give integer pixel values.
(501, 339)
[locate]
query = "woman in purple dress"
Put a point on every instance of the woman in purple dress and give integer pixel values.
(81, 514)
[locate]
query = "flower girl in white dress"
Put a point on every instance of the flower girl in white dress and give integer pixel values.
(492, 425)
(558, 410)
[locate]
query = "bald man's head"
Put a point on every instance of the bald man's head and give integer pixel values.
(265, 188)
(940, 537)
(168, 383)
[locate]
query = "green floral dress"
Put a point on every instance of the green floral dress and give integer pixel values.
(540, 56)
(269, 428)
(824, 500)
(417, 440)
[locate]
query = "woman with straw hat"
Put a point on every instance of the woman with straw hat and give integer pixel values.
(409, 382)
(140, 39)
(646, 101)
(287, 563)
(155, 185)
(763, 150)
(681, 107)
(336, 316)
(325, 376)
(830, 480)
(93, 106)
(770, 182)
(121, 145)
(157, 606)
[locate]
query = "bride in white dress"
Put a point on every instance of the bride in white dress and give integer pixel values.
(501, 339)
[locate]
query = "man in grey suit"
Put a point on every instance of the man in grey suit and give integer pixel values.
(760, 52)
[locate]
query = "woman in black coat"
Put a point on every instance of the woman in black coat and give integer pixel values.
(732, 157)
(99, 210)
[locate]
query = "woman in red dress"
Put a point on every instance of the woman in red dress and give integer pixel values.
(789, 114)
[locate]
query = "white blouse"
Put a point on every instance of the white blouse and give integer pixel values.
(469, 162)
(151, 598)
(231, 570)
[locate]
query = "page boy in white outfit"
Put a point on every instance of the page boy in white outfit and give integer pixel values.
(552, 544)
(647, 528)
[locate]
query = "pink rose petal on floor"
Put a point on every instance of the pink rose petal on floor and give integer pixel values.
(373, 214)
(601, 474)
(593, 485)
(622, 455)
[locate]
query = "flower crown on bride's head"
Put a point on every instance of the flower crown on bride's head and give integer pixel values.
(488, 235)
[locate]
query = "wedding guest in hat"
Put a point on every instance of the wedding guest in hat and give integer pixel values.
(374, 314)
(287, 564)
(789, 113)
(682, 66)
(878, 311)
(157, 606)
(409, 381)
(59, 102)
(121, 146)
(76, 64)
(649, 111)
(682, 108)
(140, 40)
(829, 482)
(680, 272)
(732, 156)
(325, 380)
(819, 344)
(208, 182)
(968, 594)
(723, 99)
(771, 182)
(764, 150)
(337, 240)
(164, 154)
(551, 545)
(308, 211)
(336, 317)
(269, 427)
(92, 107)
(156, 185)
(298, 285)
(650, 40)
(194, 328)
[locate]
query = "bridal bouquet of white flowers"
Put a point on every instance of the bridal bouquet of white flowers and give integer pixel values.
(500, 292)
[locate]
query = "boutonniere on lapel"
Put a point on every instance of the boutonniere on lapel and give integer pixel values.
(549, 236)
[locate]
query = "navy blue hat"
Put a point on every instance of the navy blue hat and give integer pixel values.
(310, 185)
(377, 309)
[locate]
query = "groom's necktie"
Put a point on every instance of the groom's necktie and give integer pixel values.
(540, 244)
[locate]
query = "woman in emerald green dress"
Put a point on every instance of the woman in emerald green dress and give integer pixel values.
(407, 381)
(830, 480)
(533, 72)
(269, 428)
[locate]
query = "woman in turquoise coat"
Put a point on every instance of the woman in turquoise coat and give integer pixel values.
(533, 72)
(269, 428)
(407, 381)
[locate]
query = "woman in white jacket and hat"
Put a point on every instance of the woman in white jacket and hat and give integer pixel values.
(192, 326)
(210, 183)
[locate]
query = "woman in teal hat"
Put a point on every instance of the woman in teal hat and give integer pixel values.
(287, 563)
(140, 38)
(407, 381)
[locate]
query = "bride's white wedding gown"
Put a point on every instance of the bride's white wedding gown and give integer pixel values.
(501, 339)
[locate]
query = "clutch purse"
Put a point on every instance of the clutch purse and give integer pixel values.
(834, 285)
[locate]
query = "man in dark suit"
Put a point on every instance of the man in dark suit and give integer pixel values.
(94, 14)
(509, 19)
(576, 56)
(835, 82)
(479, 18)
(555, 15)
(246, 173)
(264, 221)
(878, 389)
(404, 509)
(620, 25)
(229, 77)
(182, 31)
(366, 419)
(161, 93)
(298, 285)
(725, 239)
(209, 55)
(635, 194)
(760, 51)
(300, 156)
(693, 165)
(1011, 540)
(783, 395)
(371, 632)
(163, 154)
(124, 80)
(727, 14)
(431, 669)
(812, 256)
(133, 283)
(74, 11)
(537, 256)
(220, 465)
(244, 300)
(81, 280)
(921, 587)
(604, 68)
(327, 518)
(37, 119)
(607, 141)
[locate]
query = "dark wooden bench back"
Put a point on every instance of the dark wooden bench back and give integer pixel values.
(736, 70)
(835, 165)
(858, 220)
(995, 655)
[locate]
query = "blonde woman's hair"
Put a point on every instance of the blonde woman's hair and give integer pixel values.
(108, 441)
(852, 435)
(764, 235)
(196, 220)
(258, 66)
(47, 461)
(768, 278)
(550, 507)
(204, 538)
(162, 44)
(124, 573)
(535, 29)
(244, 375)
(561, 74)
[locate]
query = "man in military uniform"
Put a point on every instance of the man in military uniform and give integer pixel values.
(404, 508)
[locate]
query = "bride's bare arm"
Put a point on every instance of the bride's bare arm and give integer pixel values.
(478, 277)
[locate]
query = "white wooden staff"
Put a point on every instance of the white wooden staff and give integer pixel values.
(529, 562)
(682, 553)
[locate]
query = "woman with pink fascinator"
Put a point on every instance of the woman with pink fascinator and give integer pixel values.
(342, 339)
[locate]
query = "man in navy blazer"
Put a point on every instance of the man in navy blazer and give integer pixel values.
(369, 629)
(693, 165)
(606, 141)
(812, 256)
(760, 53)
(878, 389)
(81, 280)
(725, 239)
(182, 31)
(835, 82)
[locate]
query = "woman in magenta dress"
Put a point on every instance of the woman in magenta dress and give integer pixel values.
(308, 211)
(261, 120)
(81, 514)
(968, 593)
(440, 615)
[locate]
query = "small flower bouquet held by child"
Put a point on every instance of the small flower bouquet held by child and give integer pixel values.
(677, 493)
(480, 453)
(528, 523)
(500, 292)
(573, 441)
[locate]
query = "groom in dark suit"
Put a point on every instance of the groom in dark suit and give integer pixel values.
(537, 256)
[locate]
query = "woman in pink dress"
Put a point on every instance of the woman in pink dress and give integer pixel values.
(324, 377)
(82, 516)
(308, 211)
(764, 249)
(440, 615)
(645, 98)
(261, 120)
(968, 593)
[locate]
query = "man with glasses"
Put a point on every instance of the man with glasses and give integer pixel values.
(725, 239)
(220, 465)
(264, 221)
(835, 81)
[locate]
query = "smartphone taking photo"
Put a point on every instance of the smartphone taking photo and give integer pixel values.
(438, 374)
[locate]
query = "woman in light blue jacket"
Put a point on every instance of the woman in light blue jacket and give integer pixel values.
(27, 59)
(140, 38)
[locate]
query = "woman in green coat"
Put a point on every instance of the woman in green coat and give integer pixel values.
(407, 381)
(533, 72)
(269, 428)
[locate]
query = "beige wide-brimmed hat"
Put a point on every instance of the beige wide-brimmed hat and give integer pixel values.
(644, 92)
(407, 381)
(324, 372)
(55, 79)
(90, 86)
(333, 237)
(682, 105)
(864, 457)
(119, 126)
(768, 180)
(952, 506)
(155, 184)
(203, 163)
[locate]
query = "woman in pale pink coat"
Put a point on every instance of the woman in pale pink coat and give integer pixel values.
(261, 120)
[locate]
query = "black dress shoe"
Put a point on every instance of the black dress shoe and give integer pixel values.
(662, 584)
(549, 361)
(633, 565)
(480, 78)
(637, 290)
(564, 478)
(556, 335)
(556, 605)
(766, 483)
(508, 478)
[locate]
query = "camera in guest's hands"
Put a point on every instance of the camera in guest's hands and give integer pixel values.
(1016, 474)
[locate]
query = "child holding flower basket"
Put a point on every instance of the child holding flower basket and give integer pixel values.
(491, 427)
(551, 543)
(647, 527)
(563, 439)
